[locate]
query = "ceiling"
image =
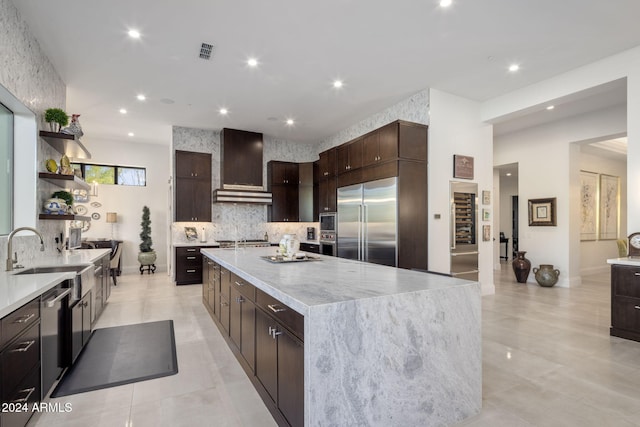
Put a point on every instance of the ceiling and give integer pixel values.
(383, 51)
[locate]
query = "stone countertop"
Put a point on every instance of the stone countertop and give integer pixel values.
(194, 243)
(17, 290)
(625, 261)
(302, 285)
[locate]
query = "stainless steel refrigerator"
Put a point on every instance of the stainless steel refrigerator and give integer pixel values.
(367, 222)
(464, 233)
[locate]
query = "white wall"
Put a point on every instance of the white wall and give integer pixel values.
(549, 166)
(456, 128)
(594, 254)
(127, 201)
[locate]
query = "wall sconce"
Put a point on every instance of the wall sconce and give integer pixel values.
(112, 218)
(94, 189)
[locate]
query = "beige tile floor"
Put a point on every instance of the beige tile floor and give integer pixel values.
(548, 360)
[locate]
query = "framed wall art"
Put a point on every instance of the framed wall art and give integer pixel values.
(486, 197)
(462, 166)
(486, 233)
(588, 205)
(486, 214)
(542, 212)
(609, 206)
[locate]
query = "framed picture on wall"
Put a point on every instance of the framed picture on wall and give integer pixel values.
(588, 205)
(486, 233)
(609, 206)
(486, 214)
(486, 197)
(462, 166)
(542, 212)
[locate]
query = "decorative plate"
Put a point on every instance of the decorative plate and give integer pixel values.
(81, 209)
(95, 216)
(96, 204)
(86, 225)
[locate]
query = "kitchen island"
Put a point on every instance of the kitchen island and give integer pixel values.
(382, 346)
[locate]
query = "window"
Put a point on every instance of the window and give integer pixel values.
(6, 169)
(113, 175)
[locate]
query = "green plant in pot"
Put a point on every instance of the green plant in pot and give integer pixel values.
(146, 256)
(56, 118)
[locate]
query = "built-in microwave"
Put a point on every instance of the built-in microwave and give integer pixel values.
(328, 222)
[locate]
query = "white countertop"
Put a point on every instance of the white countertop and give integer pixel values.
(625, 261)
(195, 243)
(301, 285)
(17, 290)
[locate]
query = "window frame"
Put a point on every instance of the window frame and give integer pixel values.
(115, 172)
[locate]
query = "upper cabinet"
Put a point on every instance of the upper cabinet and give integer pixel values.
(291, 186)
(396, 140)
(349, 156)
(192, 189)
(241, 158)
(327, 163)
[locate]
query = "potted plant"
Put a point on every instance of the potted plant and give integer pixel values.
(56, 118)
(146, 256)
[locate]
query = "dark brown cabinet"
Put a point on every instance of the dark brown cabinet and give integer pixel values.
(241, 154)
(80, 324)
(188, 265)
(283, 182)
(349, 156)
(327, 163)
(225, 285)
(327, 196)
(242, 324)
(210, 285)
(625, 302)
(20, 363)
(192, 186)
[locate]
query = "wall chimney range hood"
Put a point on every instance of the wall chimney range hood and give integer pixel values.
(241, 168)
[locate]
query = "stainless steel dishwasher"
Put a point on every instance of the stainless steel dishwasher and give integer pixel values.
(54, 312)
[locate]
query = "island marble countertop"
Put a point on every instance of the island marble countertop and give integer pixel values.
(301, 285)
(194, 243)
(17, 290)
(625, 261)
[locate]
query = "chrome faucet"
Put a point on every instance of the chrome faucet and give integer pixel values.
(11, 261)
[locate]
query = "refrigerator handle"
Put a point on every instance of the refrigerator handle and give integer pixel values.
(453, 225)
(359, 232)
(365, 235)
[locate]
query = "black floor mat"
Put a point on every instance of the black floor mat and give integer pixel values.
(122, 355)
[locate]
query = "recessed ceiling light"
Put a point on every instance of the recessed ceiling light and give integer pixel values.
(290, 122)
(224, 111)
(134, 34)
(445, 3)
(551, 107)
(123, 111)
(141, 97)
(337, 84)
(514, 67)
(131, 134)
(252, 62)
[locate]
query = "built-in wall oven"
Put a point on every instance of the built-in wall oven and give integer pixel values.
(328, 234)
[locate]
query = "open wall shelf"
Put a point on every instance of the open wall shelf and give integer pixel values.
(65, 144)
(64, 181)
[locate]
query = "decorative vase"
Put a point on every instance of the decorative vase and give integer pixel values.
(55, 206)
(147, 258)
(289, 245)
(546, 276)
(521, 267)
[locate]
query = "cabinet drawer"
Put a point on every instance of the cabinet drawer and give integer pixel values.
(19, 358)
(187, 250)
(288, 317)
(27, 393)
(625, 313)
(625, 280)
(19, 320)
(244, 287)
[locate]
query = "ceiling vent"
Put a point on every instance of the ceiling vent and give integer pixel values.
(205, 51)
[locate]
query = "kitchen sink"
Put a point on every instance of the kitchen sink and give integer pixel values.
(52, 269)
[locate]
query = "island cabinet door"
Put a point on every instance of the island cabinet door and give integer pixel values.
(224, 313)
(242, 325)
(266, 354)
(290, 377)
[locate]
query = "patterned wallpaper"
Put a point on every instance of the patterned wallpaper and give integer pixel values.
(413, 109)
(28, 74)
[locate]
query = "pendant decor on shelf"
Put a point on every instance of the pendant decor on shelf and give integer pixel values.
(521, 267)
(546, 275)
(74, 127)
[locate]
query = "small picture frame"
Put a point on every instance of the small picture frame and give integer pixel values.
(80, 196)
(542, 212)
(486, 233)
(191, 233)
(462, 166)
(486, 214)
(486, 197)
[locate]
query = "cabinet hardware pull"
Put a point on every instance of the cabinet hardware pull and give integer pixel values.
(636, 274)
(29, 392)
(210, 263)
(26, 344)
(191, 250)
(326, 173)
(224, 304)
(239, 300)
(275, 333)
(25, 318)
(276, 308)
(54, 301)
(637, 307)
(239, 283)
(191, 257)
(191, 271)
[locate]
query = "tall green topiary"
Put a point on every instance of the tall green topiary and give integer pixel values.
(145, 235)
